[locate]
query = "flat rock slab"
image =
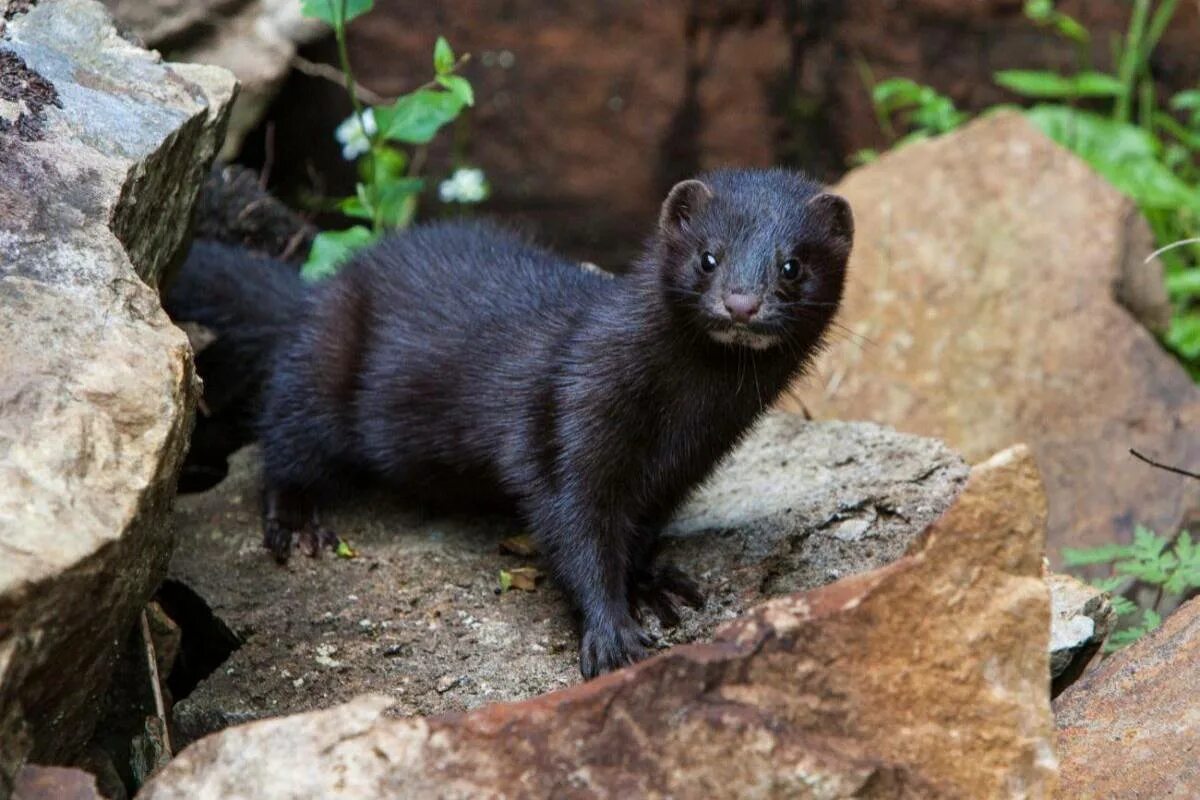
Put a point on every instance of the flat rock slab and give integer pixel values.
(417, 614)
(102, 152)
(925, 678)
(1132, 727)
(998, 282)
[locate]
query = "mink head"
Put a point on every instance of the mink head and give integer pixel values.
(754, 258)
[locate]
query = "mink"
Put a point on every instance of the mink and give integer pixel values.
(466, 366)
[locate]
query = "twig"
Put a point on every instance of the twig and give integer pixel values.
(331, 73)
(1160, 465)
(264, 176)
(293, 244)
(155, 685)
(1171, 246)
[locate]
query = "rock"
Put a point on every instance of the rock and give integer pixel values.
(1081, 618)
(253, 39)
(983, 305)
(924, 678)
(1132, 727)
(55, 783)
(101, 154)
(417, 613)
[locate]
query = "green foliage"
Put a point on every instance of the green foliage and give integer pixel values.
(417, 117)
(1052, 86)
(389, 184)
(335, 12)
(1127, 636)
(1045, 14)
(928, 112)
(1172, 570)
(1150, 152)
(331, 248)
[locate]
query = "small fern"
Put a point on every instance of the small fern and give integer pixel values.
(1172, 569)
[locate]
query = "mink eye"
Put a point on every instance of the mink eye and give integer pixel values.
(708, 262)
(790, 269)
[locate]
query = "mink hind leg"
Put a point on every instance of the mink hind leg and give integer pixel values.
(291, 516)
(300, 467)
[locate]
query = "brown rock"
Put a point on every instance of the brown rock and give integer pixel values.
(926, 678)
(983, 282)
(1131, 729)
(95, 383)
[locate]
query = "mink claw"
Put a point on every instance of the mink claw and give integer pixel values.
(314, 540)
(278, 540)
(657, 593)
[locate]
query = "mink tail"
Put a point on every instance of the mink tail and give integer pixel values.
(244, 306)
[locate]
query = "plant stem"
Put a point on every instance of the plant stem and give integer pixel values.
(1131, 57)
(339, 34)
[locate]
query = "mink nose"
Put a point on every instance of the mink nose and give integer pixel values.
(742, 307)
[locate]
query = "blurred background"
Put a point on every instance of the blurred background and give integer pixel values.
(587, 112)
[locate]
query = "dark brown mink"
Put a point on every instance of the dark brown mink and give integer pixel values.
(467, 367)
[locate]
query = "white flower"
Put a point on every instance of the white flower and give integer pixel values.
(466, 185)
(356, 141)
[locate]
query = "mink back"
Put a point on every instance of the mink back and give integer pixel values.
(474, 369)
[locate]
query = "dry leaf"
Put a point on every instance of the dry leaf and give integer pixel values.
(519, 546)
(523, 578)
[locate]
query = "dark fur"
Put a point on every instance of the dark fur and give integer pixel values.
(252, 304)
(456, 356)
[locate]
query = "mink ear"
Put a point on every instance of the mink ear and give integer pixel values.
(686, 200)
(834, 212)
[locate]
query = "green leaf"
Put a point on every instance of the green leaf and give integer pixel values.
(1186, 101)
(443, 57)
(1110, 584)
(1070, 28)
(1104, 554)
(895, 93)
(867, 155)
(458, 86)
(398, 201)
(1183, 335)
(1150, 621)
(344, 550)
(505, 580)
(1039, 10)
(386, 164)
(1123, 606)
(330, 11)
(354, 207)
(331, 248)
(416, 118)
(1050, 85)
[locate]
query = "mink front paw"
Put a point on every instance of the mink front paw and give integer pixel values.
(656, 591)
(311, 539)
(611, 645)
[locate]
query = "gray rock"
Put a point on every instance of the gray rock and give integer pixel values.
(101, 155)
(416, 615)
(254, 39)
(1081, 618)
